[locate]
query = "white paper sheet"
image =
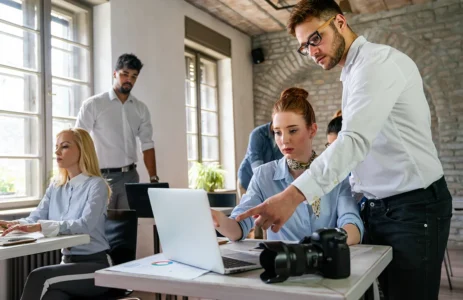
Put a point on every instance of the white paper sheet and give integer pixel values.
(158, 265)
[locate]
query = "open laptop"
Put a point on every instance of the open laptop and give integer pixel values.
(137, 196)
(187, 233)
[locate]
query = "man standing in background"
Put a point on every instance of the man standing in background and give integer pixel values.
(114, 119)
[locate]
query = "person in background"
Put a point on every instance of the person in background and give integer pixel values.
(115, 119)
(295, 128)
(261, 149)
(334, 127)
(74, 203)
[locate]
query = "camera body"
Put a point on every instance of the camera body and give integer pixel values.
(325, 253)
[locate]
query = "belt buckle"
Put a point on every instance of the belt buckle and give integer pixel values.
(125, 169)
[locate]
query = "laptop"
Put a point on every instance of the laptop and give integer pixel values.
(188, 235)
(137, 196)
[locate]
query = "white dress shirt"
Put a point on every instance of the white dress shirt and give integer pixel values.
(114, 127)
(385, 139)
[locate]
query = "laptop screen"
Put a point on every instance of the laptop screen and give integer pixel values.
(137, 196)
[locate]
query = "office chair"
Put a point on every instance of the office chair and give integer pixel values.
(121, 232)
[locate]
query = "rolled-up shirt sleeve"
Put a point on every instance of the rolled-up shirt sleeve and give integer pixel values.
(145, 133)
(373, 92)
(252, 198)
(86, 118)
(347, 209)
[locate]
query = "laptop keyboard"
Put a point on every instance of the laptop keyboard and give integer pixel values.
(230, 263)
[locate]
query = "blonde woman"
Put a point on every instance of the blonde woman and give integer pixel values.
(74, 203)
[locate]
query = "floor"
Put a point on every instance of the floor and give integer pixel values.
(456, 257)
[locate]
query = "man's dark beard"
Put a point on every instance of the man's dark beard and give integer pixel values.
(124, 90)
(339, 45)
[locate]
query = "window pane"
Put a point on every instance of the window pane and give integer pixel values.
(20, 12)
(22, 47)
(208, 98)
(19, 91)
(18, 135)
(58, 126)
(190, 93)
(69, 61)
(209, 124)
(190, 67)
(68, 98)
(18, 178)
(192, 144)
(70, 25)
(192, 125)
(208, 72)
(210, 148)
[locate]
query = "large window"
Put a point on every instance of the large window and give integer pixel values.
(44, 77)
(202, 108)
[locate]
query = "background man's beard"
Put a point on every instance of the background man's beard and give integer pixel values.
(339, 44)
(124, 90)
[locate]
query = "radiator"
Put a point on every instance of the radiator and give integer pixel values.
(19, 268)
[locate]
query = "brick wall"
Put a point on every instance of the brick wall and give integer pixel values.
(431, 34)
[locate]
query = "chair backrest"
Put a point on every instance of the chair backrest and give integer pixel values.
(121, 232)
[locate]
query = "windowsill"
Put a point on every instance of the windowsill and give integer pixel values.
(19, 203)
(17, 211)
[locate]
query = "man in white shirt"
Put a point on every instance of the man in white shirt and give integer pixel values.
(385, 142)
(115, 119)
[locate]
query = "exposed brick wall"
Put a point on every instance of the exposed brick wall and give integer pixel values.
(431, 34)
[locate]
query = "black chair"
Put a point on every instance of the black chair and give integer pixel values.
(121, 232)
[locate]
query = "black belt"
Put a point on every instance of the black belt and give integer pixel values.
(119, 170)
(434, 189)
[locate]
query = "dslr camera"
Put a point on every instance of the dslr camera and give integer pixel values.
(325, 253)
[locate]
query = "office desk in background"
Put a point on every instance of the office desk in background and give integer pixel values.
(43, 245)
(365, 268)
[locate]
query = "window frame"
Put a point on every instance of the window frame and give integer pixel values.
(45, 153)
(198, 55)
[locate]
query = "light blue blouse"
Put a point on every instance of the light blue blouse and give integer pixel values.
(338, 207)
(78, 207)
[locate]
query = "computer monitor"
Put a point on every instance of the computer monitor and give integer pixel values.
(137, 196)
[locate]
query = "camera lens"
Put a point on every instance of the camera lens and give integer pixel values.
(281, 260)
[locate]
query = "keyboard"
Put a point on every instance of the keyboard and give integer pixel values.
(230, 263)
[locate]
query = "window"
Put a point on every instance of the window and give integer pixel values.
(202, 108)
(44, 77)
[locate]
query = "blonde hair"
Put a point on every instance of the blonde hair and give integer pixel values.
(88, 160)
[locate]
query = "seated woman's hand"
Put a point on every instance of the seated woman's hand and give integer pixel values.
(23, 227)
(217, 216)
(6, 224)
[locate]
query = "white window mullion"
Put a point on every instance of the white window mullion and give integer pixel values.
(47, 88)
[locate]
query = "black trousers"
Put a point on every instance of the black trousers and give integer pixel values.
(416, 224)
(73, 278)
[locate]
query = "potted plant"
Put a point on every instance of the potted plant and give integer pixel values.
(211, 177)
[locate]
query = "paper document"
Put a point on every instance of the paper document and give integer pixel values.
(159, 265)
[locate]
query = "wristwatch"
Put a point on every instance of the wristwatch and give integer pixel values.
(154, 178)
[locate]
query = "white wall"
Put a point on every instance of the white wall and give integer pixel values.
(102, 61)
(154, 31)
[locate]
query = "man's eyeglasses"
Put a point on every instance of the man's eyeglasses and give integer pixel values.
(314, 39)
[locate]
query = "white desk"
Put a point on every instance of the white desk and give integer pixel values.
(43, 245)
(365, 268)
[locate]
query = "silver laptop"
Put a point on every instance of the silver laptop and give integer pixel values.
(187, 234)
